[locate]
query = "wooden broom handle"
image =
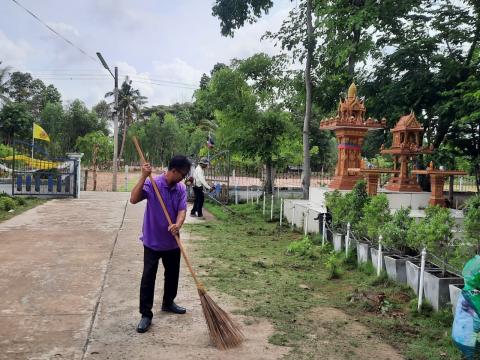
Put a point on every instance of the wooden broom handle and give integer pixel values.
(167, 215)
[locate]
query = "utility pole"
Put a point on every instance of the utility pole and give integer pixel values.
(115, 121)
(115, 134)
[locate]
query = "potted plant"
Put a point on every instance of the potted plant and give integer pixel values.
(395, 236)
(337, 207)
(435, 233)
(355, 203)
(375, 214)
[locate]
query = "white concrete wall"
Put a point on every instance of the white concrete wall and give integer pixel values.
(303, 208)
(415, 200)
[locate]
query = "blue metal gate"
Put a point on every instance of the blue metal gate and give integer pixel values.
(35, 173)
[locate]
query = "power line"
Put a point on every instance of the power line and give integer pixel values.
(104, 78)
(55, 32)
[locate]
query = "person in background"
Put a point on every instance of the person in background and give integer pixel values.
(199, 183)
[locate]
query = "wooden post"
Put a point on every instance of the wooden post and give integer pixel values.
(94, 164)
(85, 180)
(437, 181)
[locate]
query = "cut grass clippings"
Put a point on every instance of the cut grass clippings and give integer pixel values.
(247, 257)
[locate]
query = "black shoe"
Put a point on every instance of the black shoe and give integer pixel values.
(174, 308)
(193, 215)
(144, 324)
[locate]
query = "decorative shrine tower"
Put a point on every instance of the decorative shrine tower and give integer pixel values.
(406, 145)
(350, 128)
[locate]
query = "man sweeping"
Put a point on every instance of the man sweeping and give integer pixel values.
(199, 183)
(158, 237)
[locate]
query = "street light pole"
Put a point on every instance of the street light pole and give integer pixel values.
(115, 134)
(115, 121)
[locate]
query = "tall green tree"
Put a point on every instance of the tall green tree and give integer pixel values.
(78, 121)
(242, 114)
(53, 121)
(233, 15)
(87, 143)
(16, 121)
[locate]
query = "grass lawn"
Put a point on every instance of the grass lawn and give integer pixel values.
(19, 204)
(246, 257)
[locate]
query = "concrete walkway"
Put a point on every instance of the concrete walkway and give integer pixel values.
(69, 279)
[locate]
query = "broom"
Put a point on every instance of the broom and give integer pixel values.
(224, 333)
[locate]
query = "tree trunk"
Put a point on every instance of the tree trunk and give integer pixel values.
(352, 58)
(308, 104)
(450, 190)
(94, 164)
(124, 135)
(269, 177)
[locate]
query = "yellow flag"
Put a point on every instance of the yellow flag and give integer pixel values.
(39, 133)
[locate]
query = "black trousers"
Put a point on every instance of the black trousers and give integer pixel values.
(171, 264)
(198, 202)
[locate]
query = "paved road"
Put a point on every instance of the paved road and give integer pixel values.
(69, 277)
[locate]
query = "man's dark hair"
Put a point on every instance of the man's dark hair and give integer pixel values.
(180, 163)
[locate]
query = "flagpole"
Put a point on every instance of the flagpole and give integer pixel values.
(33, 140)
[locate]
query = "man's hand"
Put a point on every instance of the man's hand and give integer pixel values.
(146, 170)
(174, 229)
(137, 192)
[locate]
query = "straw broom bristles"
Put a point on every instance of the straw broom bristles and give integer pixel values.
(224, 332)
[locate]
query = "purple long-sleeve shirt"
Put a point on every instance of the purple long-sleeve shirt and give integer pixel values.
(155, 234)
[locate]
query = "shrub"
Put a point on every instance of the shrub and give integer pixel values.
(472, 221)
(333, 266)
(7, 203)
(20, 201)
(355, 203)
(5, 150)
(301, 247)
(395, 231)
(338, 207)
(376, 213)
(433, 232)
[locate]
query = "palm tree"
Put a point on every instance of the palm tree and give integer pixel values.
(129, 104)
(3, 85)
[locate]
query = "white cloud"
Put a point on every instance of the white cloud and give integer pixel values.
(64, 29)
(13, 53)
(121, 13)
(246, 41)
(140, 80)
(178, 71)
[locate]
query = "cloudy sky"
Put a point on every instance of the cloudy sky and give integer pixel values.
(165, 46)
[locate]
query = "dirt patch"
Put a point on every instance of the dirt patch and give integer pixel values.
(339, 336)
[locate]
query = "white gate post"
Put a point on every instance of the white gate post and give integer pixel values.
(76, 158)
(293, 215)
(264, 203)
(323, 229)
(422, 273)
(347, 240)
(236, 192)
(305, 223)
(379, 258)
(271, 208)
(281, 211)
